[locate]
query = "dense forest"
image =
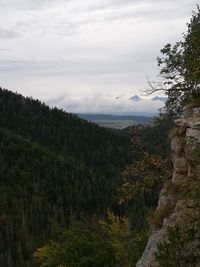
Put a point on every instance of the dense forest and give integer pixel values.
(54, 166)
(57, 168)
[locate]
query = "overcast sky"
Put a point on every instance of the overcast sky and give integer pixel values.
(76, 51)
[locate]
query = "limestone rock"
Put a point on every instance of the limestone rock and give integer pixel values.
(193, 134)
(164, 199)
(184, 141)
(181, 213)
(178, 145)
(178, 178)
(181, 165)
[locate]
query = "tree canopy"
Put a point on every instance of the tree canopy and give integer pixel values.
(180, 69)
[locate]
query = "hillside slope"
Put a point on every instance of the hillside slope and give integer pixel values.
(53, 167)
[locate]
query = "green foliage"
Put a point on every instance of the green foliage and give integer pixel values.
(155, 138)
(117, 231)
(56, 167)
(77, 247)
(191, 52)
(127, 244)
(143, 176)
(138, 245)
(109, 242)
(150, 168)
(143, 179)
(180, 69)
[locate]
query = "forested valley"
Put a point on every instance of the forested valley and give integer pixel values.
(73, 194)
(61, 175)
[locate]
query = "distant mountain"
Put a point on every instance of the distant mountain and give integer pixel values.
(135, 98)
(159, 98)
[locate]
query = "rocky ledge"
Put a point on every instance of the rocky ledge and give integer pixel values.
(185, 138)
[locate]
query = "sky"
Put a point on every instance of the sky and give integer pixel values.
(87, 55)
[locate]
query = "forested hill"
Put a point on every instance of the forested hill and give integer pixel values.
(54, 167)
(63, 132)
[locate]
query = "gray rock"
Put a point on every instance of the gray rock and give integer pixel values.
(193, 134)
(180, 165)
(164, 199)
(184, 141)
(178, 145)
(178, 178)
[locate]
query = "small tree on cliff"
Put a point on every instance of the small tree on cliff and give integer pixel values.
(180, 69)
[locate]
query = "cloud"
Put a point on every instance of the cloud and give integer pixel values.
(3, 49)
(105, 104)
(29, 4)
(63, 18)
(127, 63)
(8, 33)
(96, 46)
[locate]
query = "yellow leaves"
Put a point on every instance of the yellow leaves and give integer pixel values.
(143, 175)
(41, 255)
(117, 230)
(46, 256)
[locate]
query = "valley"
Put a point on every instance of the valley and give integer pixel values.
(116, 121)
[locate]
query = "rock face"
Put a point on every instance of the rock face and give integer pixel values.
(184, 139)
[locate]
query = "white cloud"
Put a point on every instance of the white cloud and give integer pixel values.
(85, 47)
(106, 104)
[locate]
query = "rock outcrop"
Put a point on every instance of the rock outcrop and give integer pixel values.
(185, 138)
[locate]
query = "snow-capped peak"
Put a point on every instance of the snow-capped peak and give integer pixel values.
(135, 98)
